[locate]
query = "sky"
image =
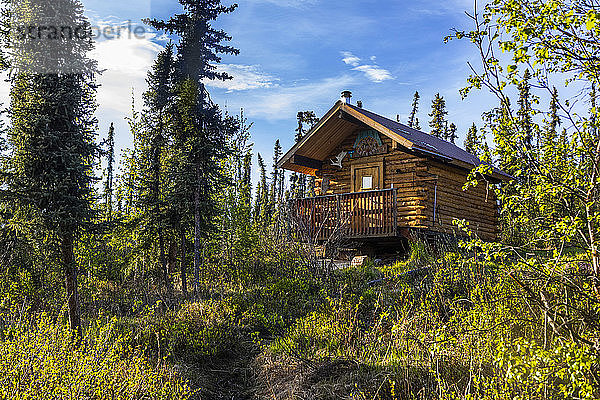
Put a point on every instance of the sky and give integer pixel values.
(299, 55)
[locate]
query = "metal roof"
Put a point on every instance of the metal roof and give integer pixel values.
(410, 138)
(426, 141)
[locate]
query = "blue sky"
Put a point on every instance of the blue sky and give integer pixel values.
(299, 55)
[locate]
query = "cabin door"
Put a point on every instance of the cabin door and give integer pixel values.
(366, 207)
(367, 178)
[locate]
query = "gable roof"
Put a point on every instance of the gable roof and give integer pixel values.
(317, 146)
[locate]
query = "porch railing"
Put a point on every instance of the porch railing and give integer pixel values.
(355, 215)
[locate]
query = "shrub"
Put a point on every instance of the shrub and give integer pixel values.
(563, 370)
(197, 330)
(41, 359)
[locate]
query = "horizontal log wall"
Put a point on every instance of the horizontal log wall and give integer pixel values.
(415, 179)
(477, 205)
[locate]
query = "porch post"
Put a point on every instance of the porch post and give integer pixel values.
(339, 209)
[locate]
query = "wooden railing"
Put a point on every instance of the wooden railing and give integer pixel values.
(354, 215)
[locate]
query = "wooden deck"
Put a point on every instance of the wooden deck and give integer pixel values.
(352, 215)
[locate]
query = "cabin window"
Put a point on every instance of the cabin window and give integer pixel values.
(367, 182)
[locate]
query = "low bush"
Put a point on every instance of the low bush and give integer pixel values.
(41, 359)
(196, 330)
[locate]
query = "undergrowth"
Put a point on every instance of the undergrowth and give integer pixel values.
(41, 359)
(447, 325)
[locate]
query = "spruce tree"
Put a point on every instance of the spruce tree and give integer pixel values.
(127, 184)
(527, 129)
(524, 112)
(310, 119)
(246, 192)
(550, 137)
(53, 150)
(451, 133)
(413, 120)
(276, 182)
(554, 117)
(472, 143)
(157, 115)
(438, 116)
(206, 133)
(298, 182)
(110, 161)
(486, 153)
(295, 177)
(261, 203)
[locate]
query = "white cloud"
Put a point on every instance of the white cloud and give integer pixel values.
(125, 62)
(4, 90)
(350, 59)
(245, 77)
(374, 73)
(283, 102)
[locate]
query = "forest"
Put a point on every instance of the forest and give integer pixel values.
(174, 274)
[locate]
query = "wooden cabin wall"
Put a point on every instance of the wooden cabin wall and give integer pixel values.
(400, 171)
(404, 171)
(477, 205)
(415, 178)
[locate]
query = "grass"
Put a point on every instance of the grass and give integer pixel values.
(442, 326)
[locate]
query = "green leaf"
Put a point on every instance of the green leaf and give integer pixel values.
(590, 24)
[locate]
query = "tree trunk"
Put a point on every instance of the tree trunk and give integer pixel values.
(197, 231)
(70, 270)
(163, 260)
(183, 264)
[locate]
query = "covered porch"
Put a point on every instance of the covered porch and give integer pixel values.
(367, 214)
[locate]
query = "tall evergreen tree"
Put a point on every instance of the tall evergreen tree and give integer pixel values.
(295, 177)
(550, 137)
(438, 116)
(206, 132)
(413, 120)
(527, 130)
(246, 193)
(524, 112)
(310, 119)
(486, 153)
(110, 161)
(262, 195)
(153, 138)
(298, 182)
(554, 117)
(53, 150)
(451, 133)
(472, 143)
(127, 184)
(276, 182)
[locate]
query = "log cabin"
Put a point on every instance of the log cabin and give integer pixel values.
(377, 179)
